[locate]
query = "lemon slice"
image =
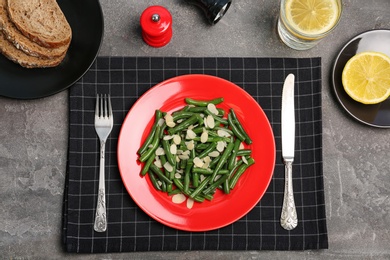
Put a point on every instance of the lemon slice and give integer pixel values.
(312, 16)
(366, 77)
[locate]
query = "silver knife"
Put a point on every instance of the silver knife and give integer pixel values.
(288, 219)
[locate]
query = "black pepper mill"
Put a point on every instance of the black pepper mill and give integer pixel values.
(214, 9)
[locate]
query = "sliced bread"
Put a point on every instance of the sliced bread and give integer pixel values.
(42, 21)
(25, 60)
(22, 42)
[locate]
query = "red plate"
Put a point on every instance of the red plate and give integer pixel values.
(223, 209)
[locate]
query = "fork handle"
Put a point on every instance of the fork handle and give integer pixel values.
(101, 216)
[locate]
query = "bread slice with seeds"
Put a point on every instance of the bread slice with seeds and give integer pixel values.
(42, 21)
(25, 60)
(22, 42)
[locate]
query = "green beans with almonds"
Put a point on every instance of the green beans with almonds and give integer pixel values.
(185, 152)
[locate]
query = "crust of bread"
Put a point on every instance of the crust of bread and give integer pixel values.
(21, 42)
(25, 60)
(42, 21)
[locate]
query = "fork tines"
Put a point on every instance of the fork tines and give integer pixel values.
(102, 108)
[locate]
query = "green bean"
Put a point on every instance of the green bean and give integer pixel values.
(183, 164)
(163, 186)
(154, 181)
(233, 156)
(209, 149)
(206, 171)
(193, 109)
(169, 187)
(180, 186)
(163, 160)
(202, 146)
(225, 185)
(195, 179)
(152, 147)
(185, 124)
(187, 172)
(214, 161)
(202, 103)
(239, 172)
(159, 173)
(227, 130)
(162, 130)
(167, 149)
(200, 188)
(244, 152)
(215, 184)
(147, 164)
(172, 173)
(216, 118)
(214, 139)
(248, 140)
(221, 161)
(234, 128)
(173, 192)
(197, 109)
(181, 114)
(149, 139)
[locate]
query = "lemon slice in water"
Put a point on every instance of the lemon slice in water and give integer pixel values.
(366, 77)
(312, 16)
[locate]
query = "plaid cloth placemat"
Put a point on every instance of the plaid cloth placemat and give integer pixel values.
(129, 228)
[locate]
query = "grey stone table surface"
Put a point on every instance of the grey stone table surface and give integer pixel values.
(33, 135)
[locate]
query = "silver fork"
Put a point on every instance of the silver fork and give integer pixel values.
(103, 127)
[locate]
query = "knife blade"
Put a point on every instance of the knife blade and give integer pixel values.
(288, 219)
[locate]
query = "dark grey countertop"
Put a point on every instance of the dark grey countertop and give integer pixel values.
(33, 135)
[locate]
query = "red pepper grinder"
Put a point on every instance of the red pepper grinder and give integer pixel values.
(156, 24)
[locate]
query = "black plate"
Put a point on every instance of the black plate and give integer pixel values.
(86, 20)
(377, 115)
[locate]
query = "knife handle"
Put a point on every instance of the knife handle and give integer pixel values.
(288, 218)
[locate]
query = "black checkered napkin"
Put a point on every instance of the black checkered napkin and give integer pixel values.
(129, 228)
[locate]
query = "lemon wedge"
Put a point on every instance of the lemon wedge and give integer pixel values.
(366, 77)
(312, 17)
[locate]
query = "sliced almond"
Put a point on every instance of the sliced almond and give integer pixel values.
(160, 151)
(190, 145)
(169, 120)
(177, 139)
(212, 108)
(244, 160)
(214, 154)
(168, 166)
(160, 121)
(167, 137)
(183, 157)
(207, 161)
(178, 198)
(198, 162)
(190, 134)
(204, 137)
(190, 203)
(158, 163)
(210, 121)
(173, 149)
(220, 146)
(223, 133)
